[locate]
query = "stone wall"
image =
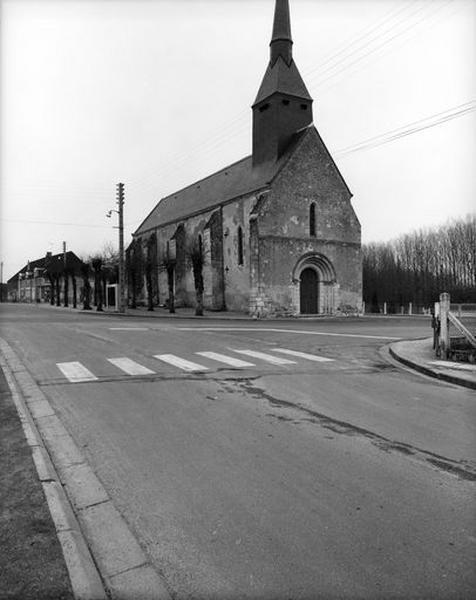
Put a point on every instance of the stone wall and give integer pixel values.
(310, 177)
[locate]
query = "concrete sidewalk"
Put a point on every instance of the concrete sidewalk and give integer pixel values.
(419, 355)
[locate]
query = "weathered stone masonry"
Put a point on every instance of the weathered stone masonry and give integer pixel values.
(277, 229)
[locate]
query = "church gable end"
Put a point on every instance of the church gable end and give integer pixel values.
(310, 187)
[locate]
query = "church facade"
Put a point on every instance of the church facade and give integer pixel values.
(276, 230)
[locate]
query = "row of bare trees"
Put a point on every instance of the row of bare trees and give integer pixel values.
(418, 266)
(101, 267)
(142, 265)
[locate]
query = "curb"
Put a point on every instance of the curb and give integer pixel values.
(431, 372)
(103, 557)
(85, 580)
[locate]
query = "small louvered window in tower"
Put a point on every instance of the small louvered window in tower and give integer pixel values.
(240, 246)
(312, 220)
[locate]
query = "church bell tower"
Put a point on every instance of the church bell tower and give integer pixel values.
(283, 105)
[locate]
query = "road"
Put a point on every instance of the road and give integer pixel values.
(321, 474)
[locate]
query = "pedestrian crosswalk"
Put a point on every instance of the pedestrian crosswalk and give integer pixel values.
(76, 372)
(181, 363)
(131, 367)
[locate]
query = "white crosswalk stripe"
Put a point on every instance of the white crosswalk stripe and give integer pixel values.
(130, 366)
(76, 372)
(298, 354)
(181, 363)
(228, 360)
(274, 360)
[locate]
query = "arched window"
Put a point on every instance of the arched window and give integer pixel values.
(312, 220)
(240, 246)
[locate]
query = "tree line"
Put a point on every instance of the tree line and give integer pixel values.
(418, 266)
(101, 268)
(142, 264)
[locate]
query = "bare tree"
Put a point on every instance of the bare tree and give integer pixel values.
(195, 258)
(151, 269)
(168, 264)
(134, 269)
(418, 266)
(96, 262)
(85, 271)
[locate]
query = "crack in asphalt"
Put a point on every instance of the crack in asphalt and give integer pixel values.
(461, 469)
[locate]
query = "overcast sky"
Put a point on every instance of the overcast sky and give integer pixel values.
(157, 94)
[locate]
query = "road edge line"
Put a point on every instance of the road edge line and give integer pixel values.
(85, 579)
(112, 549)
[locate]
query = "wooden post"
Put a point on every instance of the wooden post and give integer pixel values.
(384, 308)
(410, 308)
(444, 331)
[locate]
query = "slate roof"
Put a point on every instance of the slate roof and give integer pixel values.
(238, 179)
(56, 264)
(284, 79)
(282, 22)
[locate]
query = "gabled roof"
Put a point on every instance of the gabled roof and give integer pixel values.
(54, 262)
(234, 181)
(284, 79)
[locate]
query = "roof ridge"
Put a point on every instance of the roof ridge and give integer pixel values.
(191, 185)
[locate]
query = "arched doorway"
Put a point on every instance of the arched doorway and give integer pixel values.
(309, 292)
(315, 285)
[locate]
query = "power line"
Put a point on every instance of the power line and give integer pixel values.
(32, 222)
(409, 129)
(221, 136)
(350, 51)
(213, 143)
(384, 138)
(376, 51)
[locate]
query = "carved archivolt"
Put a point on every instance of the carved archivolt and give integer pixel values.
(320, 263)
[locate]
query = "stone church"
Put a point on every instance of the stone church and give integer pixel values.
(277, 229)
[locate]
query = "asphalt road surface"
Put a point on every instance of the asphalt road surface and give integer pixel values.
(270, 459)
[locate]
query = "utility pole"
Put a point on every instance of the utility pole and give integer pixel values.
(122, 279)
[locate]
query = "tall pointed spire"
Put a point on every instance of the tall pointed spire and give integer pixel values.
(283, 105)
(281, 40)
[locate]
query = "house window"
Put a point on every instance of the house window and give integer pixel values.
(240, 246)
(303, 106)
(312, 220)
(264, 107)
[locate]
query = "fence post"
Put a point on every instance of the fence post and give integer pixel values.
(444, 331)
(384, 308)
(410, 308)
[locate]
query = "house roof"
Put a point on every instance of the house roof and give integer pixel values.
(233, 181)
(55, 264)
